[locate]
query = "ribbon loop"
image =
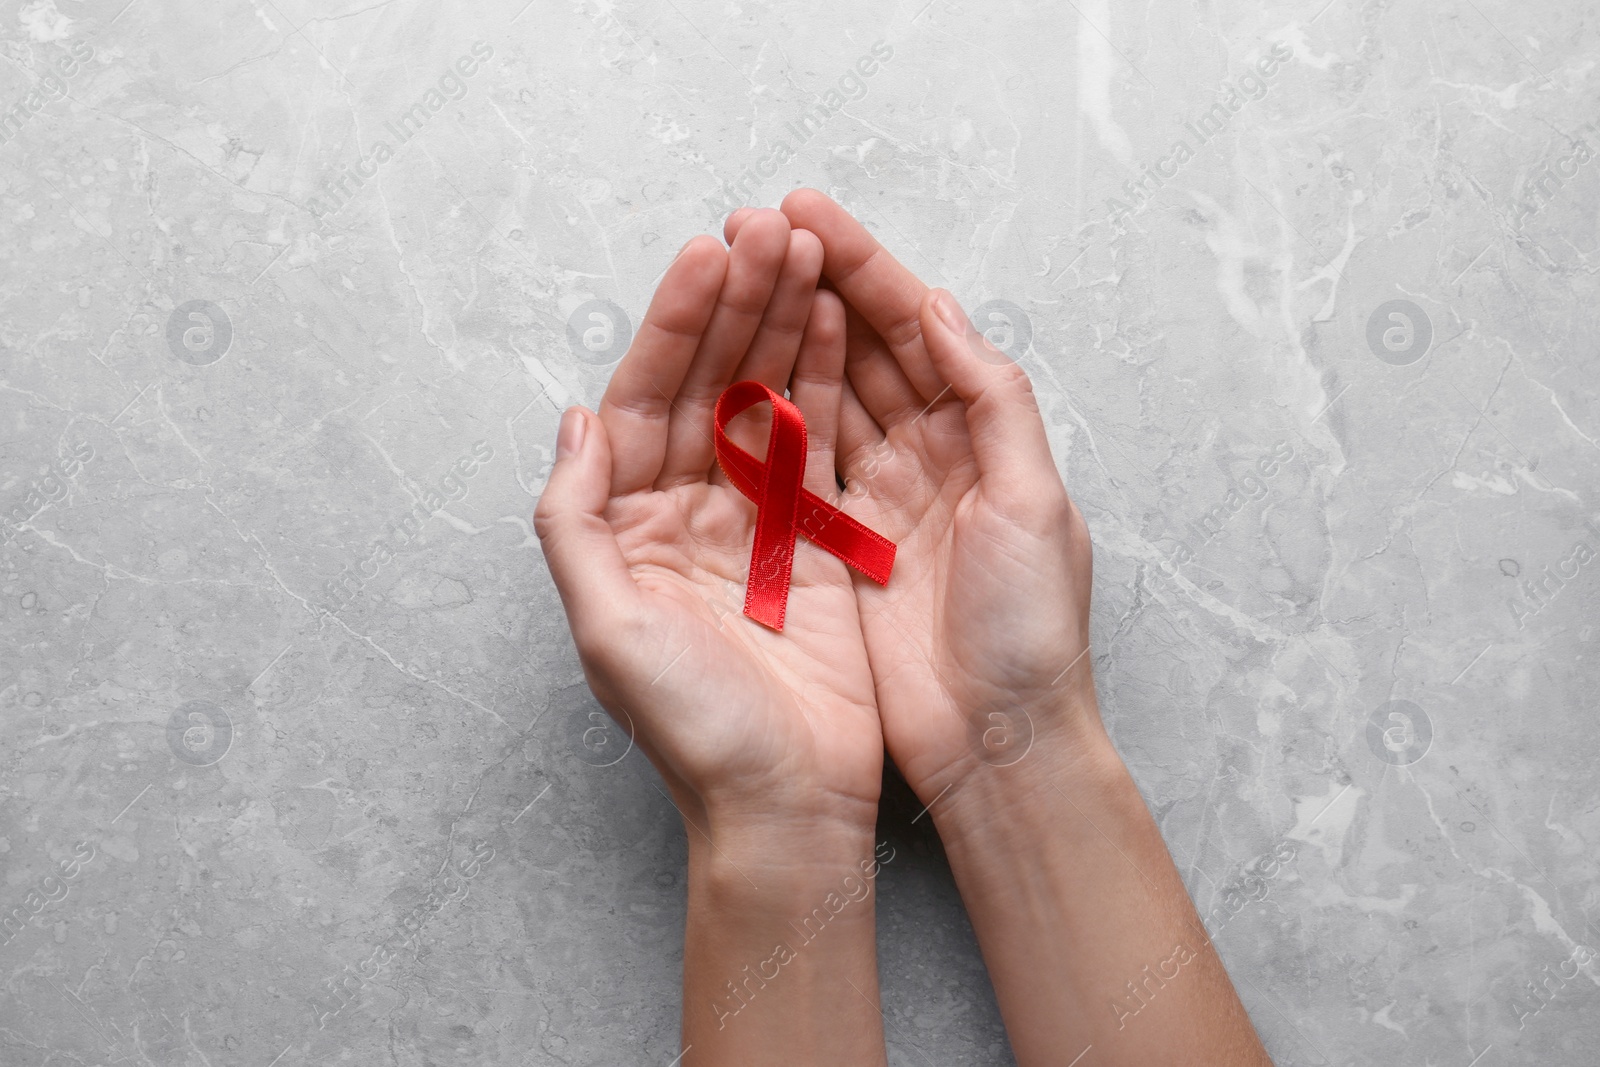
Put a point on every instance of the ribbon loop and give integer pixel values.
(785, 508)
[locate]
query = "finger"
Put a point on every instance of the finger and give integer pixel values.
(817, 388)
(579, 546)
(754, 262)
(1008, 435)
(730, 227)
(637, 406)
(872, 281)
(771, 358)
(876, 376)
(859, 433)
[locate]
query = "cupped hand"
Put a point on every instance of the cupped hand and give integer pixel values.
(978, 644)
(649, 545)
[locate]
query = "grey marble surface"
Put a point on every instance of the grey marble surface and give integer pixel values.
(292, 296)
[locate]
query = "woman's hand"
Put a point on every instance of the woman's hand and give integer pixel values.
(649, 546)
(979, 641)
(768, 741)
(979, 650)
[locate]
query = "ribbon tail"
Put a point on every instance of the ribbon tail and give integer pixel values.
(766, 595)
(833, 531)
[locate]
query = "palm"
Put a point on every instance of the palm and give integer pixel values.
(766, 707)
(987, 610)
(649, 544)
(960, 630)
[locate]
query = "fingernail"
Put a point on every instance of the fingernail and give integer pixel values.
(569, 438)
(951, 312)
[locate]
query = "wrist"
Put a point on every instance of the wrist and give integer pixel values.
(1020, 751)
(755, 820)
(1025, 807)
(1060, 755)
(1058, 858)
(1018, 838)
(779, 861)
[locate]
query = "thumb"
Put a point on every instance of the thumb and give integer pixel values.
(1008, 436)
(579, 546)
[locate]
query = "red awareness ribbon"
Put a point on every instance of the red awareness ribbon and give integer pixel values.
(785, 508)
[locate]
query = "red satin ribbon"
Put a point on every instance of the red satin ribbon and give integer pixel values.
(785, 508)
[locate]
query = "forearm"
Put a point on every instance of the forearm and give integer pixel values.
(780, 958)
(1085, 925)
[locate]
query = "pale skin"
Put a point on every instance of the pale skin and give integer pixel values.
(970, 669)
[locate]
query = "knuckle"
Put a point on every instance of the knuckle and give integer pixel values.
(544, 520)
(1052, 511)
(1008, 391)
(1014, 386)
